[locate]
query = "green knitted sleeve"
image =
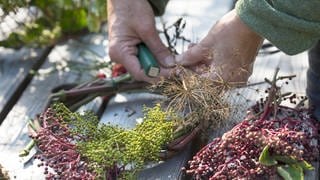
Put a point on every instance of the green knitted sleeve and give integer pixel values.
(291, 25)
(158, 6)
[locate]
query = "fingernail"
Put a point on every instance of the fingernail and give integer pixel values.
(170, 61)
(178, 59)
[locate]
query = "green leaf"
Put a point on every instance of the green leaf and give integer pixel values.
(33, 35)
(7, 6)
(93, 23)
(41, 4)
(65, 4)
(102, 4)
(290, 172)
(73, 20)
(59, 18)
(13, 41)
(285, 159)
(305, 165)
(291, 160)
(265, 158)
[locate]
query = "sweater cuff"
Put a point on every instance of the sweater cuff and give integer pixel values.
(158, 6)
(286, 31)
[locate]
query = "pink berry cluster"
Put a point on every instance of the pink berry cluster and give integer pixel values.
(287, 132)
(58, 153)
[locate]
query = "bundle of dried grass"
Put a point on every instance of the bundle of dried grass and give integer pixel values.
(201, 100)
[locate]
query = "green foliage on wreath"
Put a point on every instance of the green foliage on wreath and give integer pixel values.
(105, 145)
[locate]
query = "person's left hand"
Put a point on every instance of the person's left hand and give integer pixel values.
(226, 54)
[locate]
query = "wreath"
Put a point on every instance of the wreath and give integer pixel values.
(74, 145)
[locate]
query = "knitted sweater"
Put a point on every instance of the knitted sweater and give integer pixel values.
(291, 25)
(158, 6)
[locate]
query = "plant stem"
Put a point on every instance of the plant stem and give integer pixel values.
(122, 78)
(271, 95)
(76, 105)
(186, 140)
(106, 87)
(27, 149)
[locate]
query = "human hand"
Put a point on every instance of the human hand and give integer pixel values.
(130, 23)
(226, 53)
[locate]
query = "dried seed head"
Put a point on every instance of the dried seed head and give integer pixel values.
(197, 97)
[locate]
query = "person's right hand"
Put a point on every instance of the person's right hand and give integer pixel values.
(130, 23)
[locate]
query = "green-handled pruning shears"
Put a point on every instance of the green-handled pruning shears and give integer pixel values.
(147, 61)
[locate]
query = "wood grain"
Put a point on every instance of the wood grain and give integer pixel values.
(15, 66)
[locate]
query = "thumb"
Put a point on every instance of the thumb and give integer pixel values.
(158, 49)
(193, 56)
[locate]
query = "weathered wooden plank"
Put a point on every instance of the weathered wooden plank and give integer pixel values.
(15, 68)
(15, 65)
(13, 131)
(264, 67)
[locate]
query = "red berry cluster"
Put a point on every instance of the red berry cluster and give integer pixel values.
(287, 132)
(117, 70)
(58, 154)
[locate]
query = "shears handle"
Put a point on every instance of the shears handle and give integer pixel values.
(147, 61)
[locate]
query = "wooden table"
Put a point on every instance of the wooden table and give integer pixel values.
(24, 94)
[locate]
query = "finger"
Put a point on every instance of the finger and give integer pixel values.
(191, 45)
(193, 55)
(133, 66)
(158, 49)
(200, 68)
(166, 72)
(119, 49)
